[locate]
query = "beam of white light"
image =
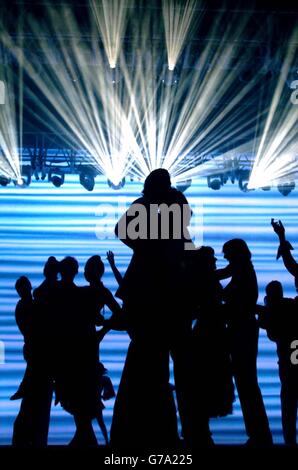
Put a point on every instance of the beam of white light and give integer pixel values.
(88, 105)
(198, 110)
(110, 17)
(139, 124)
(277, 153)
(178, 20)
(10, 125)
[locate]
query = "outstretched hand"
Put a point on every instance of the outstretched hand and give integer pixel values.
(111, 258)
(278, 228)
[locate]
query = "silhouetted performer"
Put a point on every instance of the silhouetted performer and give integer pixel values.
(212, 365)
(152, 292)
(240, 296)
(76, 356)
(284, 250)
(37, 385)
(23, 432)
(279, 317)
(95, 297)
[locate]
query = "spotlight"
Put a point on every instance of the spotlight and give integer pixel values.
(114, 75)
(25, 178)
(87, 178)
(56, 177)
(183, 185)
(116, 186)
(243, 180)
(286, 188)
(169, 77)
(214, 182)
(4, 181)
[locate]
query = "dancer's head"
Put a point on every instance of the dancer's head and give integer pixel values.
(23, 287)
(51, 269)
(236, 250)
(274, 293)
(69, 268)
(94, 269)
(157, 184)
(205, 259)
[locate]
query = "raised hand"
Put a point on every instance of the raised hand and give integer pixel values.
(278, 229)
(111, 258)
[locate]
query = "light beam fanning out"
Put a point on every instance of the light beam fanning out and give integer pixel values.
(178, 19)
(110, 17)
(10, 124)
(277, 153)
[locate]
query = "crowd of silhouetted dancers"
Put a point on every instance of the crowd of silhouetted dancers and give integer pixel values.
(172, 306)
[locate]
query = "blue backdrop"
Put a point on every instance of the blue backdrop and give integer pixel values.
(41, 220)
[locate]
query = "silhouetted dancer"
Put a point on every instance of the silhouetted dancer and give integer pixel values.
(24, 316)
(95, 297)
(76, 357)
(44, 297)
(212, 364)
(23, 433)
(240, 296)
(155, 228)
(279, 318)
(284, 250)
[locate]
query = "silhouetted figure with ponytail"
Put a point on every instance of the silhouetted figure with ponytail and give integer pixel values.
(212, 364)
(240, 296)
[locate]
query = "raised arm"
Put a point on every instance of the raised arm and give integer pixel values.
(284, 249)
(116, 272)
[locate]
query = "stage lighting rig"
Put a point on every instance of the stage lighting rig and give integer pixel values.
(286, 188)
(56, 177)
(120, 185)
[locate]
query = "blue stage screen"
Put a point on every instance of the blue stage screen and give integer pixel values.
(42, 220)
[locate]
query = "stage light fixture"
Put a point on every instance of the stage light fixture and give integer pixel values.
(56, 177)
(87, 178)
(25, 178)
(170, 77)
(116, 186)
(286, 188)
(4, 181)
(215, 182)
(114, 75)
